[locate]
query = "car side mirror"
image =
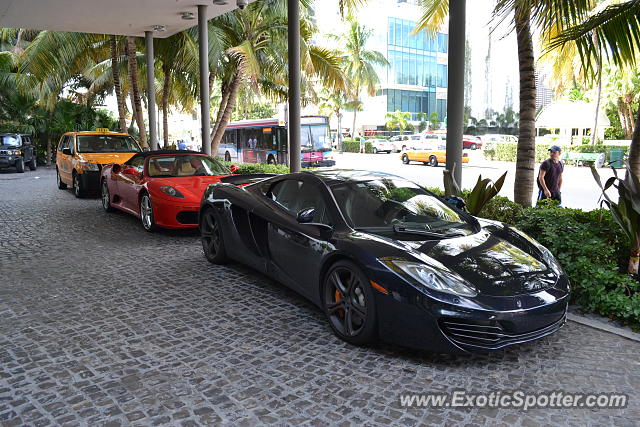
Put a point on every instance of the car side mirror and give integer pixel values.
(234, 168)
(66, 151)
(456, 202)
(116, 168)
(132, 171)
(306, 215)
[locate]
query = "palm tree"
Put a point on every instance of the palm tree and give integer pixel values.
(359, 63)
(254, 52)
(115, 72)
(523, 15)
(132, 60)
(613, 34)
(399, 120)
(333, 103)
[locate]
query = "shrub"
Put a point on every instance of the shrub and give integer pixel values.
(353, 146)
(258, 168)
(508, 151)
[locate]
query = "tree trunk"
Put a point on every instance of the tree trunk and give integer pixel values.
(622, 115)
(523, 188)
(224, 99)
(165, 103)
(355, 111)
(48, 159)
(594, 131)
(135, 88)
(226, 115)
(116, 84)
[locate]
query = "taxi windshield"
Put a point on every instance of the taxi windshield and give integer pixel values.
(107, 144)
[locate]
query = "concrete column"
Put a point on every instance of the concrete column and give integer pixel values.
(293, 19)
(203, 45)
(455, 91)
(151, 91)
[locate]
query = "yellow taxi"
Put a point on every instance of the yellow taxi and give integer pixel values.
(81, 155)
(430, 153)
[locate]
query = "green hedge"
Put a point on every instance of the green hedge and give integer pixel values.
(591, 248)
(507, 152)
(257, 167)
(352, 146)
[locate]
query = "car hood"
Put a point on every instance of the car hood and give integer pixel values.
(10, 147)
(495, 262)
(104, 158)
(192, 187)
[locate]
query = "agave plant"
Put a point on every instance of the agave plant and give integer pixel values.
(483, 191)
(626, 212)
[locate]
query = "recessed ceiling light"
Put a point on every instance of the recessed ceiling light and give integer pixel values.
(188, 16)
(220, 2)
(159, 28)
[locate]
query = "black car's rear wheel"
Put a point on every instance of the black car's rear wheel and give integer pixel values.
(348, 303)
(33, 165)
(212, 240)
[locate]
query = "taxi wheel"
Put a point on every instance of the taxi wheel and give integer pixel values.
(433, 161)
(106, 197)
(405, 159)
(78, 188)
(146, 213)
(61, 185)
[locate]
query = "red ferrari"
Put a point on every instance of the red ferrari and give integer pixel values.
(162, 188)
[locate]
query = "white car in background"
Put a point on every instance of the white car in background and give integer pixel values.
(426, 141)
(489, 140)
(383, 145)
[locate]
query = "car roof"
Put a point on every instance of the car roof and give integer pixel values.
(339, 176)
(13, 134)
(93, 132)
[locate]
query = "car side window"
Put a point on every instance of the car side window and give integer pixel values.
(295, 195)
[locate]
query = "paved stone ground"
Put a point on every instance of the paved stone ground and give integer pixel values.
(102, 323)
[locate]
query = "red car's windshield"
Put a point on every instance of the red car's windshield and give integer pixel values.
(184, 165)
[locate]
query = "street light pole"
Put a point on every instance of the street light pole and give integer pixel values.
(455, 91)
(203, 50)
(151, 90)
(293, 26)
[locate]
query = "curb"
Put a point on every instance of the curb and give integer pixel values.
(603, 326)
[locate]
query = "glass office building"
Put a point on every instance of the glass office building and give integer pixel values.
(413, 61)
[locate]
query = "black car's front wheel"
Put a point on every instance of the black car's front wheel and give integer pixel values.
(211, 236)
(348, 303)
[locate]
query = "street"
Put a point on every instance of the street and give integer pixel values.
(579, 189)
(106, 324)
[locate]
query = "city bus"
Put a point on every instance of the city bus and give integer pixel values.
(265, 141)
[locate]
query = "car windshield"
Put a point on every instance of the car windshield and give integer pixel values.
(107, 144)
(185, 165)
(394, 205)
(11, 140)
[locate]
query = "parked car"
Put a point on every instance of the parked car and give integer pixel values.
(383, 145)
(432, 153)
(18, 151)
(163, 188)
(386, 259)
(471, 142)
(81, 156)
(400, 141)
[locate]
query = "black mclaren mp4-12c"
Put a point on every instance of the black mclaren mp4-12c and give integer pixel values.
(387, 260)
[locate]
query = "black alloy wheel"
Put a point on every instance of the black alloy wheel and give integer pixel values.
(212, 240)
(348, 303)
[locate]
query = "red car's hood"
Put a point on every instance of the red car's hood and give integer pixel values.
(191, 187)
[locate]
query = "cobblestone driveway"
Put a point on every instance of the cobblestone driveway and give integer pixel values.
(103, 323)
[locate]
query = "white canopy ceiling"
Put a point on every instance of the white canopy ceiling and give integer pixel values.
(121, 17)
(571, 114)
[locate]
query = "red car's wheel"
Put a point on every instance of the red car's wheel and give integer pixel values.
(106, 197)
(146, 213)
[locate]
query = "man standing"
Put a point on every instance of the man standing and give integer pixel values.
(550, 176)
(182, 145)
(362, 144)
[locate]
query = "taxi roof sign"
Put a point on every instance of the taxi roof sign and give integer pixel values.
(102, 130)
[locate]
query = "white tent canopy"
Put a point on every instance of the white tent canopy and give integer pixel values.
(572, 119)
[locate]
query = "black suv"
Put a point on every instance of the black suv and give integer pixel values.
(17, 151)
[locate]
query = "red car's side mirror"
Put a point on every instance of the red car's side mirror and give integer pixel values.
(234, 168)
(132, 171)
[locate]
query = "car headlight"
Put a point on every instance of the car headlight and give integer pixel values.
(169, 190)
(89, 166)
(547, 256)
(437, 280)
(16, 152)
